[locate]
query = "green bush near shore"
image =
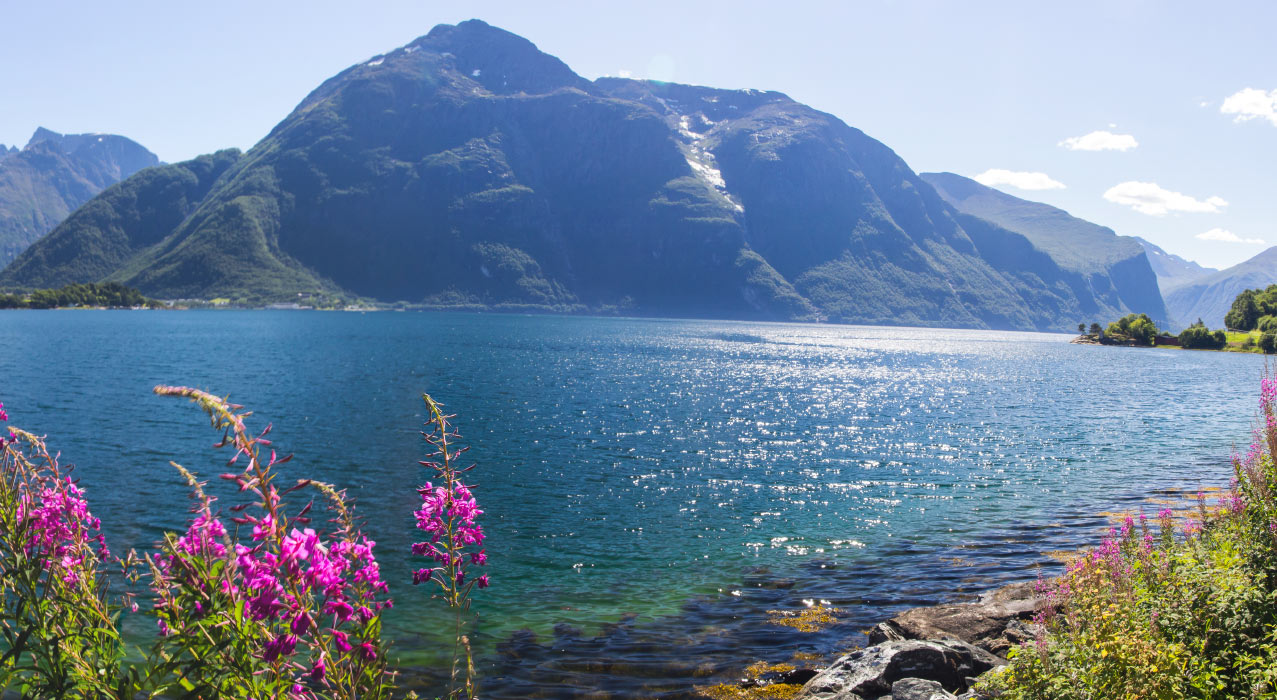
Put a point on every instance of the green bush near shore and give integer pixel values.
(1166, 607)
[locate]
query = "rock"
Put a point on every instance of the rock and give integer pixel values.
(982, 623)
(919, 689)
(565, 631)
(870, 673)
(798, 676)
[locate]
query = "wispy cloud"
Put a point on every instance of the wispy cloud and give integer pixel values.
(1018, 179)
(1100, 141)
(1251, 103)
(1219, 234)
(1154, 200)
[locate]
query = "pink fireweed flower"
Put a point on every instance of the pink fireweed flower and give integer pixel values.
(307, 591)
(60, 529)
(339, 641)
(449, 514)
(368, 651)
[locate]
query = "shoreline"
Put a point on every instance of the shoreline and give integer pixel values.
(1087, 339)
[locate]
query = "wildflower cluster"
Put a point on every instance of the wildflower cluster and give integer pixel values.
(1176, 607)
(285, 612)
(259, 602)
(56, 621)
(448, 514)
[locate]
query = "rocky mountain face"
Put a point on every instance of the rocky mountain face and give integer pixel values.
(53, 175)
(1209, 297)
(1172, 271)
(469, 169)
(1110, 275)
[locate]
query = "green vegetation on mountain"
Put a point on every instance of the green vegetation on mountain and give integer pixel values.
(109, 295)
(118, 225)
(470, 170)
(1109, 274)
(53, 175)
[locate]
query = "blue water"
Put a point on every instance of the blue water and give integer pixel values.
(652, 487)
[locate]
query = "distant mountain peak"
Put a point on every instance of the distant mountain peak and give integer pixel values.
(542, 190)
(1172, 270)
(501, 61)
(1210, 295)
(1113, 268)
(53, 175)
(42, 134)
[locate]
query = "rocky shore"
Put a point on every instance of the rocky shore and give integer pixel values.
(930, 653)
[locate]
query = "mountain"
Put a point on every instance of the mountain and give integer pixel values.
(1110, 274)
(1172, 271)
(1210, 297)
(468, 169)
(53, 175)
(127, 218)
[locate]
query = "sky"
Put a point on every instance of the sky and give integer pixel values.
(1157, 119)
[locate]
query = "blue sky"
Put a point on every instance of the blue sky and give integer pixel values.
(1188, 90)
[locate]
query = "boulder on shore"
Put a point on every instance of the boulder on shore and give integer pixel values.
(872, 672)
(995, 623)
(919, 689)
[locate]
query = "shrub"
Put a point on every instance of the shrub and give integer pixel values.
(255, 603)
(288, 612)
(57, 621)
(1268, 342)
(1198, 337)
(1167, 611)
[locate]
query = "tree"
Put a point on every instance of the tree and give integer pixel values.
(1142, 330)
(1081, 328)
(1136, 327)
(1095, 329)
(1243, 314)
(1268, 342)
(1197, 336)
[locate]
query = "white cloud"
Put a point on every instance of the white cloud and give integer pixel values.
(1251, 104)
(624, 73)
(1152, 199)
(1204, 103)
(1219, 234)
(1019, 179)
(1100, 141)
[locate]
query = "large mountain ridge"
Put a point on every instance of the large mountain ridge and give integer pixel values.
(1209, 296)
(1172, 270)
(469, 169)
(54, 174)
(1110, 274)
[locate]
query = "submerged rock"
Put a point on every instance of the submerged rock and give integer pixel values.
(872, 672)
(987, 623)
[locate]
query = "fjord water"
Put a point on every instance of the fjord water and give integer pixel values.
(652, 488)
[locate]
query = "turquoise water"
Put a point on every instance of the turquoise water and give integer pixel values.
(652, 487)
